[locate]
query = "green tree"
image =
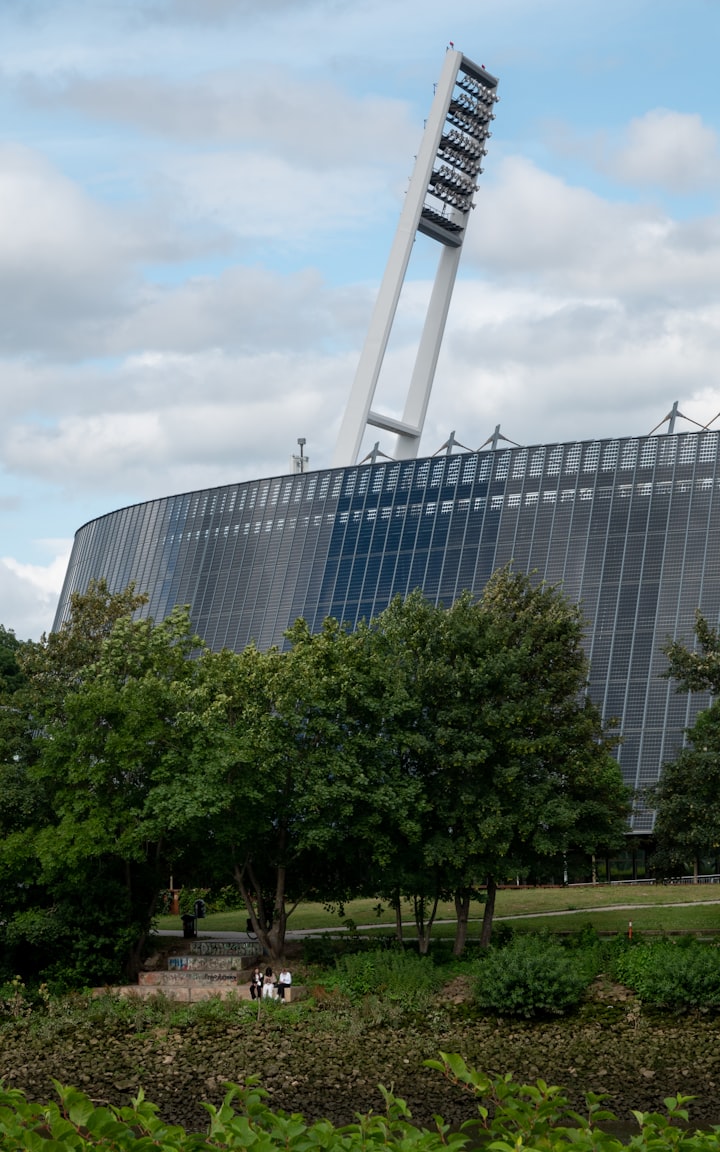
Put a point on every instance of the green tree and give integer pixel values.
(687, 796)
(14, 733)
(512, 755)
(306, 793)
(11, 677)
(20, 798)
(103, 703)
(120, 739)
(696, 669)
(556, 780)
(55, 665)
(687, 800)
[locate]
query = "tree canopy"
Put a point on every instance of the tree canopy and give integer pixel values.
(687, 796)
(423, 755)
(512, 754)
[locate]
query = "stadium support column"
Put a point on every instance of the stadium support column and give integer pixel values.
(437, 204)
(406, 445)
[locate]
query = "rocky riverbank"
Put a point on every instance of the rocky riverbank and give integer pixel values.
(323, 1062)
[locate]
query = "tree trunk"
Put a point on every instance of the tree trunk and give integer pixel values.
(276, 935)
(134, 960)
(397, 905)
(462, 914)
(136, 956)
(424, 927)
(271, 937)
(488, 913)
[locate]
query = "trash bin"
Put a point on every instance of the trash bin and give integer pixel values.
(189, 930)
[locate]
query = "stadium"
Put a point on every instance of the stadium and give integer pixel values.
(628, 527)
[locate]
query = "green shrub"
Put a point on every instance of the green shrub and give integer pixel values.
(667, 974)
(533, 976)
(227, 899)
(187, 899)
(585, 937)
(502, 933)
(509, 1116)
(397, 976)
(320, 950)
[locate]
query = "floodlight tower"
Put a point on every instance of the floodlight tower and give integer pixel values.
(437, 203)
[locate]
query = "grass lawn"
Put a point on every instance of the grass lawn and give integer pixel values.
(534, 903)
(658, 918)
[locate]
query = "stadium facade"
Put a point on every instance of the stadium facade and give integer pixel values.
(629, 528)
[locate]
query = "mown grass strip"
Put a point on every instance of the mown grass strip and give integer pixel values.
(534, 902)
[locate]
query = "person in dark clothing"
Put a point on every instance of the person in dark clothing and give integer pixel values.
(256, 984)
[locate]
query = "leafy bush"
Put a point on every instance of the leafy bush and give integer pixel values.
(69, 946)
(228, 899)
(502, 933)
(533, 976)
(585, 937)
(666, 974)
(320, 950)
(187, 899)
(510, 1116)
(398, 976)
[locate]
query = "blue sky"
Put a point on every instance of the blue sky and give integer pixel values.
(198, 197)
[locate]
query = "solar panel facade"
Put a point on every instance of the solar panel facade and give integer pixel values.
(630, 529)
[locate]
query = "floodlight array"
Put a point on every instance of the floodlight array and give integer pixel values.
(477, 88)
(459, 155)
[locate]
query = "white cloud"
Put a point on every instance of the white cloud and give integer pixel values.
(534, 227)
(29, 592)
(242, 309)
(668, 149)
(63, 259)
(559, 367)
(531, 223)
(315, 124)
(590, 303)
(44, 213)
(259, 197)
(244, 422)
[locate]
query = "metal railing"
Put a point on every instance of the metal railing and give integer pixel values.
(710, 878)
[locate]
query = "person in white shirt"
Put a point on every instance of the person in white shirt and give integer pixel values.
(284, 982)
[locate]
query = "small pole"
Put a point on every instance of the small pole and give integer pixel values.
(629, 929)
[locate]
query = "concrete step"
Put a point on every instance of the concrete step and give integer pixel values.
(195, 976)
(191, 993)
(199, 969)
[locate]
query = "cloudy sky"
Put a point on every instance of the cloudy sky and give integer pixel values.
(198, 197)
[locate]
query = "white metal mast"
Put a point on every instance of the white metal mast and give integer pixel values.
(437, 203)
